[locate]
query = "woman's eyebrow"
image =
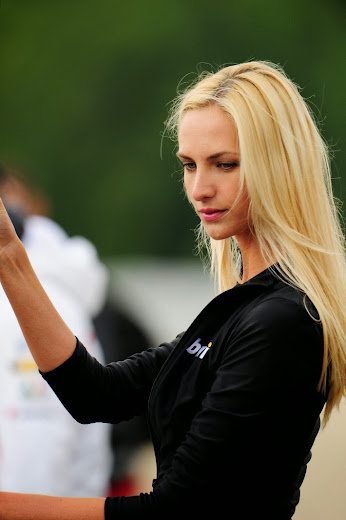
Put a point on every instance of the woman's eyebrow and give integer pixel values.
(213, 156)
(220, 154)
(182, 156)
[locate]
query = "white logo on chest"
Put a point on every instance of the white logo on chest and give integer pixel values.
(197, 349)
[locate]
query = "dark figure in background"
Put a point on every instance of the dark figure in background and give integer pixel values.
(121, 336)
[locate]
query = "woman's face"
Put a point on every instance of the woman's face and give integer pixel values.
(209, 152)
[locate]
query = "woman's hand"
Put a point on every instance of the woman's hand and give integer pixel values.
(20, 506)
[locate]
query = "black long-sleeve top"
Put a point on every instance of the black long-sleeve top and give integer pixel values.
(232, 405)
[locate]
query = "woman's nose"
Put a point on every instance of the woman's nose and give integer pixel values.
(202, 187)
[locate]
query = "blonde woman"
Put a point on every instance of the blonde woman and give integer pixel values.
(234, 402)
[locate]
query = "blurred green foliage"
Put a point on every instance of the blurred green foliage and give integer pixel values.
(85, 88)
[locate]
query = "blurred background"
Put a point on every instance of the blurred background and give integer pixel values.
(85, 89)
(85, 86)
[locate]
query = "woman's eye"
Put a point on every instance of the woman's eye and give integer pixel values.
(189, 166)
(228, 165)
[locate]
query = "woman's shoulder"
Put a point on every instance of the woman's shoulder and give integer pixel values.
(283, 325)
(284, 316)
(283, 304)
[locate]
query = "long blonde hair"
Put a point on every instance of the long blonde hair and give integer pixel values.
(285, 163)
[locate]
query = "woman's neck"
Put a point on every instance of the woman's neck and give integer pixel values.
(253, 262)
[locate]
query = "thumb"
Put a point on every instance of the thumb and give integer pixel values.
(7, 228)
(3, 211)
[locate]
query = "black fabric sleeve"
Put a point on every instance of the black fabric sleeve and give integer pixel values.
(269, 371)
(92, 392)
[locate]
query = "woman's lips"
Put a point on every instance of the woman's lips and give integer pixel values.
(211, 214)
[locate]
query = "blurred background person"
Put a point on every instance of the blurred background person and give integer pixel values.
(116, 458)
(72, 459)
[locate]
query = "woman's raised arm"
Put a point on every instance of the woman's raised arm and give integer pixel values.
(50, 340)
